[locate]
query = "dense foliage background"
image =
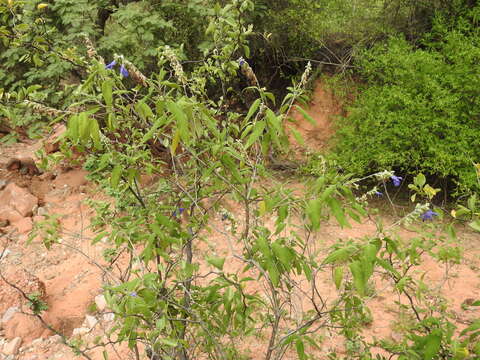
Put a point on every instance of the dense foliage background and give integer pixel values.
(417, 60)
(197, 94)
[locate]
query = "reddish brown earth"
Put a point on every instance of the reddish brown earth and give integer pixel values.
(69, 276)
(323, 108)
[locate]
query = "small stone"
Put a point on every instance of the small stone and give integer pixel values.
(80, 331)
(7, 315)
(4, 254)
(36, 342)
(41, 211)
(11, 348)
(8, 213)
(90, 321)
(4, 223)
(3, 183)
(100, 302)
(18, 199)
(108, 317)
(55, 339)
(24, 225)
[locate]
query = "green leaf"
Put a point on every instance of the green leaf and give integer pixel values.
(262, 244)
(337, 211)
(338, 276)
(253, 108)
(230, 165)
(313, 212)
(95, 134)
(432, 346)
(257, 131)
(306, 115)
(285, 255)
(84, 126)
(359, 280)
(181, 118)
(300, 347)
(115, 178)
(296, 134)
(420, 180)
(475, 225)
(144, 110)
(107, 92)
(168, 342)
(218, 262)
(473, 327)
(339, 256)
(273, 272)
(175, 141)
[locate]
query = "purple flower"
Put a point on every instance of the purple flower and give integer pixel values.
(378, 193)
(133, 294)
(178, 212)
(241, 62)
(111, 65)
(123, 71)
(397, 180)
(428, 215)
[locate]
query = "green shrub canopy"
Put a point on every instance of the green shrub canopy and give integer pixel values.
(420, 112)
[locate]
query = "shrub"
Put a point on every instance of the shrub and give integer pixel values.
(420, 111)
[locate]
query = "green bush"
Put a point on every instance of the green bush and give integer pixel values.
(420, 111)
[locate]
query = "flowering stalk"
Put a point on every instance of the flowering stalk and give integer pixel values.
(177, 67)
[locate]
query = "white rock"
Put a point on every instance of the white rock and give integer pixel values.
(8, 314)
(80, 331)
(90, 321)
(55, 339)
(36, 342)
(100, 302)
(41, 211)
(5, 253)
(11, 348)
(108, 317)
